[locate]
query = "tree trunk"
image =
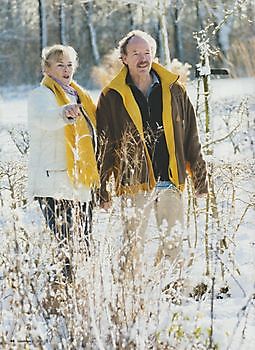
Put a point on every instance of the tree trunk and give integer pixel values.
(224, 28)
(42, 24)
(130, 16)
(200, 16)
(200, 22)
(177, 36)
(223, 39)
(62, 27)
(92, 32)
(164, 34)
(159, 41)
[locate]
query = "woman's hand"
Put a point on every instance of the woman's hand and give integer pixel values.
(71, 112)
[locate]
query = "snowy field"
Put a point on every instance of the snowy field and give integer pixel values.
(102, 309)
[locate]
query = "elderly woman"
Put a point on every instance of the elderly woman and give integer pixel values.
(62, 163)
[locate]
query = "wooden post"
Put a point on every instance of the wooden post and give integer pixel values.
(203, 73)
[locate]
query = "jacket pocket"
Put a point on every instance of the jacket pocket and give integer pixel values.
(49, 172)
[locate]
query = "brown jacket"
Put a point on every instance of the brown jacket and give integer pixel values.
(123, 151)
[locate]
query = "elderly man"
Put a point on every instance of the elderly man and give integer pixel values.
(149, 140)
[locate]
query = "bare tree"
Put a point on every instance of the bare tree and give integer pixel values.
(62, 27)
(42, 24)
(163, 37)
(12, 182)
(131, 18)
(88, 7)
(175, 11)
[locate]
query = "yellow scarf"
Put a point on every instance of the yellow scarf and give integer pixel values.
(167, 78)
(80, 155)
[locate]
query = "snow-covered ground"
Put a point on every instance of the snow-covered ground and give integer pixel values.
(227, 306)
(13, 102)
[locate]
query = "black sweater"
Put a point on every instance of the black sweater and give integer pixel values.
(151, 112)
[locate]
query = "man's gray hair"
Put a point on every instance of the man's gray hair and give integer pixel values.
(139, 33)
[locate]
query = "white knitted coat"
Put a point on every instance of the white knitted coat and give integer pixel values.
(47, 171)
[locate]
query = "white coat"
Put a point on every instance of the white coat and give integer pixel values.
(47, 170)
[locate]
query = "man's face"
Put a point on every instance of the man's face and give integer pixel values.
(138, 57)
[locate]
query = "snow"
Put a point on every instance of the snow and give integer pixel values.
(224, 88)
(101, 310)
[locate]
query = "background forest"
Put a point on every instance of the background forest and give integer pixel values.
(94, 28)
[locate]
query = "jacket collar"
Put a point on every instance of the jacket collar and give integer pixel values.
(165, 76)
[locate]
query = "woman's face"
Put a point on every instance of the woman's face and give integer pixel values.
(61, 69)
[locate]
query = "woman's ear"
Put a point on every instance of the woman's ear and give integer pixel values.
(46, 69)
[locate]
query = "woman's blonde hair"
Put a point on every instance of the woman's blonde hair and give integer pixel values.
(54, 52)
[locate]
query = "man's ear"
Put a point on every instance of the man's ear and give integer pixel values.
(124, 59)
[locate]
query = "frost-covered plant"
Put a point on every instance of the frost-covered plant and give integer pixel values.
(102, 308)
(240, 57)
(13, 182)
(20, 138)
(106, 308)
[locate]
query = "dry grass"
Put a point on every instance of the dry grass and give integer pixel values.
(105, 72)
(241, 58)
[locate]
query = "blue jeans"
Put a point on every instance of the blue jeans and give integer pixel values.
(163, 185)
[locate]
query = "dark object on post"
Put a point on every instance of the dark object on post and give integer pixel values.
(213, 71)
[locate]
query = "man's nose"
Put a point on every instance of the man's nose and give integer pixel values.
(142, 56)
